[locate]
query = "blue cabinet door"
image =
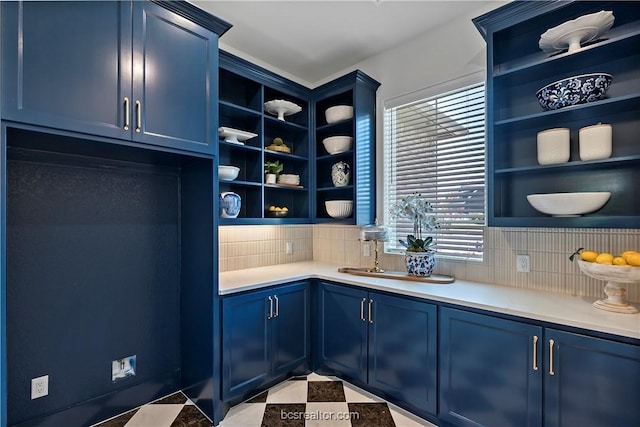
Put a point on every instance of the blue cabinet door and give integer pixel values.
(245, 342)
(490, 371)
(290, 328)
(67, 65)
(342, 330)
(402, 350)
(594, 382)
(175, 63)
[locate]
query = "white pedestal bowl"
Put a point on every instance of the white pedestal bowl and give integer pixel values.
(618, 278)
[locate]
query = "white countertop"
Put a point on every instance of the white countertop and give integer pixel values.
(544, 306)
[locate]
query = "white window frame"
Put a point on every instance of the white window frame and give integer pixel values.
(464, 240)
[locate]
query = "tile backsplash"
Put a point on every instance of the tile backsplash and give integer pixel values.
(548, 249)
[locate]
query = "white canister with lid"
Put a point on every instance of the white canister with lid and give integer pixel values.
(553, 146)
(595, 142)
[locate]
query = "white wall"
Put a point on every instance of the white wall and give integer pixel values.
(441, 55)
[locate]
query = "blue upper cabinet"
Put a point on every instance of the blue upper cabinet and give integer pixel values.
(516, 69)
(67, 65)
(129, 70)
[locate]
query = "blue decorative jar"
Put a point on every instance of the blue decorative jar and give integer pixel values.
(230, 204)
(420, 263)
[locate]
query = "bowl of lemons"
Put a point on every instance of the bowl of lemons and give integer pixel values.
(619, 271)
(277, 211)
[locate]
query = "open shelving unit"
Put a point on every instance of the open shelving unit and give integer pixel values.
(244, 88)
(517, 70)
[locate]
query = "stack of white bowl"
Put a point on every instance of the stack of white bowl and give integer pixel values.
(289, 179)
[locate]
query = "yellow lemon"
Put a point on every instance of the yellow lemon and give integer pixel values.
(619, 261)
(589, 256)
(626, 254)
(634, 259)
(604, 258)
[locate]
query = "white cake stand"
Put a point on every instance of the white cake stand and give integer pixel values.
(235, 136)
(618, 278)
(281, 108)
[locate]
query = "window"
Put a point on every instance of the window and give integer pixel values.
(436, 147)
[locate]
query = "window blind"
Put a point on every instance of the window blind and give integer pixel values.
(436, 147)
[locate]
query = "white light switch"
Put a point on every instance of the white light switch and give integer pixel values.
(289, 248)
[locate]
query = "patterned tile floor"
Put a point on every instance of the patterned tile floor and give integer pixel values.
(311, 401)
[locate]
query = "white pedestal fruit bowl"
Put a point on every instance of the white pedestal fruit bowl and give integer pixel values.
(618, 277)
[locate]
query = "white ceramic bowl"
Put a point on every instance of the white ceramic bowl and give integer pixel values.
(338, 113)
(228, 173)
(569, 204)
(339, 208)
(337, 144)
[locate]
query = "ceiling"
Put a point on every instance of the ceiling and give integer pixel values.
(312, 40)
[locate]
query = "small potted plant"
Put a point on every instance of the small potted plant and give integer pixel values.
(419, 255)
(272, 170)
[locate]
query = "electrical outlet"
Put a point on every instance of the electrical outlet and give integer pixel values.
(39, 387)
(289, 248)
(366, 249)
(522, 263)
(123, 368)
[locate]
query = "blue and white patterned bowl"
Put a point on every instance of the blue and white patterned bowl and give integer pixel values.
(420, 263)
(574, 90)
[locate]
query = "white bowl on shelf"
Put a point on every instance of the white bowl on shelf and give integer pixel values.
(337, 144)
(569, 204)
(339, 208)
(338, 113)
(228, 173)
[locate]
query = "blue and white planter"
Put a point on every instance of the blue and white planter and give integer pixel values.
(420, 263)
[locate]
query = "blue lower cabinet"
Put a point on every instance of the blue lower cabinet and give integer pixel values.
(342, 331)
(264, 334)
(590, 381)
(403, 350)
(385, 342)
(490, 371)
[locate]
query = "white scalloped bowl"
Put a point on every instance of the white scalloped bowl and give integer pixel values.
(338, 113)
(339, 208)
(228, 173)
(337, 144)
(569, 204)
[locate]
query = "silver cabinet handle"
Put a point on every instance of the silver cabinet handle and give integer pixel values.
(362, 309)
(139, 116)
(370, 315)
(551, 343)
(270, 308)
(277, 306)
(126, 113)
(535, 352)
